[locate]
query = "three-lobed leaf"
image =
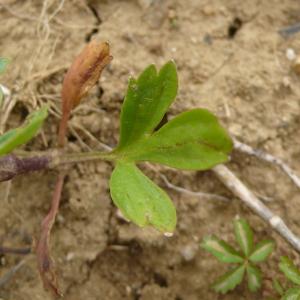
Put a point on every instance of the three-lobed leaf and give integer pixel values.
(254, 278)
(221, 250)
(229, 280)
(243, 235)
(290, 271)
(262, 250)
(292, 294)
(140, 199)
(21, 135)
(193, 140)
(146, 102)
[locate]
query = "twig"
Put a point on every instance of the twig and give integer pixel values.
(269, 158)
(10, 103)
(88, 134)
(290, 30)
(230, 180)
(192, 193)
(4, 279)
(18, 251)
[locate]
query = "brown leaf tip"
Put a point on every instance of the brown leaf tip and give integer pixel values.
(84, 73)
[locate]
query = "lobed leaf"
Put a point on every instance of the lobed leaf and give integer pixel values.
(193, 140)
(254, 278)
(290, 271)
(262, 250)
(243, 235)
(221, 250)
(292, 294)
(140, 199)
(229, 280)
(146, 102)
(21, 135)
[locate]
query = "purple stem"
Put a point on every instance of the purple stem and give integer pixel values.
(11, 165)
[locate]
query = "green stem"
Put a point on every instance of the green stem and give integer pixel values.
(57, 157)
(80, 157)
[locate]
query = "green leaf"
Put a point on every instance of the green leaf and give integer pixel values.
(193, 140)
(262, 250)
(21, 135)
(243, 235)
(254, 278)
(3, 64)
(290, 271)
(221, 250)
(278, 287)
(140, 199)
(229, 280)
(146, 102)
(292, 294)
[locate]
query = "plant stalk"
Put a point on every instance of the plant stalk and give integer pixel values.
(24, 162)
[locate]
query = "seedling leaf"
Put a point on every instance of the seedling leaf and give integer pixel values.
(243, 235)
(146, 102)
(221, 250)
(21, 135)
(3, 64)
(290, 271)
(278, 287)
(262, 250)
(140, 199)
(229, 280)
(292, 294)
(254, 278)
(193, 140)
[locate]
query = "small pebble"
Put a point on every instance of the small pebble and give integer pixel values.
(70, 256)
(189, 252)
(290, 54)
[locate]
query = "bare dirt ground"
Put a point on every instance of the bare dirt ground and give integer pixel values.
(244, 78)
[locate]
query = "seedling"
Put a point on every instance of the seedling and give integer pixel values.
(292, 273)
(193, 140)
(244, 260)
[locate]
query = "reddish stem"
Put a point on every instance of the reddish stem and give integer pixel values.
(45, 263)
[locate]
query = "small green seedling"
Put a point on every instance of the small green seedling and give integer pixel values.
(244, 260)
(292, 273)
(193, 140)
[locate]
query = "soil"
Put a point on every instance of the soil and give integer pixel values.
(231, 59)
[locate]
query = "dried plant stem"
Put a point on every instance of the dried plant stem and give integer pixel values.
(43, 256)
(239, 189)
(17, 251)
(201, 195)
(6, 277)
(269, 158)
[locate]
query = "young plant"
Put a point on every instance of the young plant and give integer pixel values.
(193, 140)
(244, 260)
(292, 273)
